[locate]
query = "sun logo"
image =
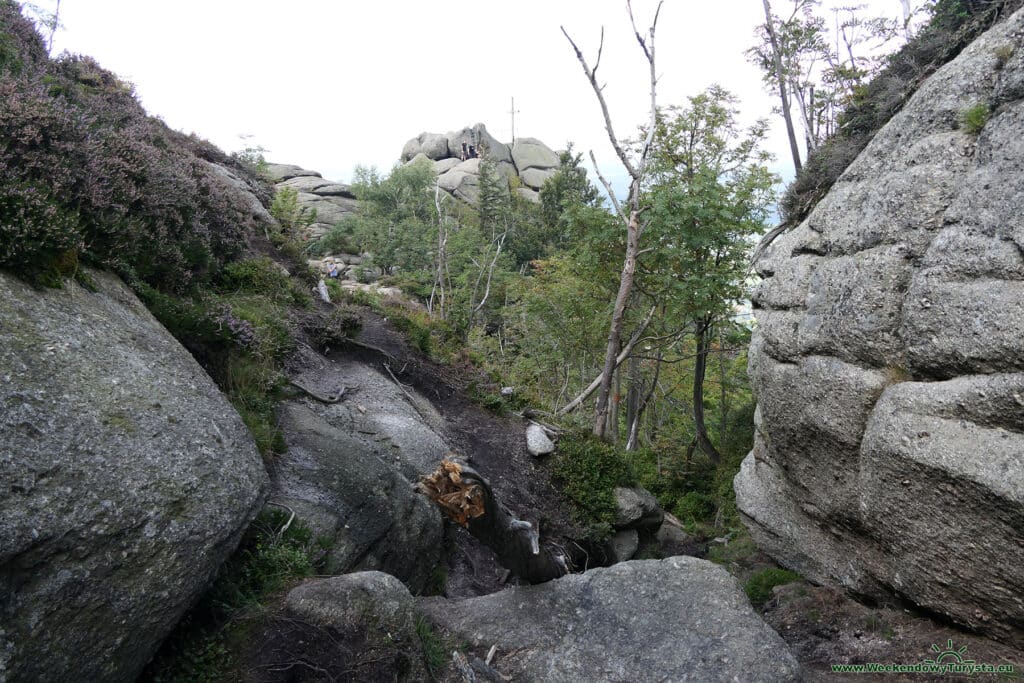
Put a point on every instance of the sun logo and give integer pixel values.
(949, 655)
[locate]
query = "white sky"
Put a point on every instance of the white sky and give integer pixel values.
(328, 85)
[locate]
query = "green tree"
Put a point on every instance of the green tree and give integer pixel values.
(710, 192)
(397, 219)
(566, 190)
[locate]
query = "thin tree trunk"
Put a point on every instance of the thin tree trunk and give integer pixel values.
(780, 73)
(632, 220)
(618, 319)
(635, 379)
(575, 403)
(699, 367)
(633, 442)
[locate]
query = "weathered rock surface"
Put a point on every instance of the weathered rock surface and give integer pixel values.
(362, 622)
(537, 441)
(680, 619)
(528, 159)
(889, 361)
(532, 153)
(332, 201)
(636, 508)
(245, 193)
(277, 173)
(351, 599)
(350, 466)
(126, 479)
(624, 545)
(534, 178)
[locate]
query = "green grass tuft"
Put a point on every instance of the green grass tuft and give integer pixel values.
(974, 118)
(759, 586)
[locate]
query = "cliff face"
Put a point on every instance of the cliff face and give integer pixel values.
(126, 479)
(889, 359)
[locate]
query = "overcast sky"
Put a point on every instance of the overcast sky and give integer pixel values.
(328, 85)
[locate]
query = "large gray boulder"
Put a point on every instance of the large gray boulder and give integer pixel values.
(318, 186)
(463, 184)
(532, 153)
(243, 192)
(680, 619)
(636, 508)
(888, 360)
(535, 178)
(358, 599)
(353, 627)
(434, 146)
(126, 477)
(350, 468)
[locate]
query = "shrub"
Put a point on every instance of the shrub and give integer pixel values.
(285, 208)
(974, 118)
(84, 169)
(759, 586)
(589, 470)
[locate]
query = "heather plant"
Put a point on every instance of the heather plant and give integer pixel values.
(84, 170)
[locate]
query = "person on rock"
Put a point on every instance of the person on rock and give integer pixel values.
(472, 152)
(465, 152)
(332, 271)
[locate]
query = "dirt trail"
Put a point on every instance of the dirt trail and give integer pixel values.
(494, 445)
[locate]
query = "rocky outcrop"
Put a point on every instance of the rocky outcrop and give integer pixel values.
(527, 159)
(331, 201)
(680, 619)
(350, 466)
(126, 479)
(888, 360)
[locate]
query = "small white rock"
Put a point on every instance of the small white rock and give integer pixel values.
(537, 442)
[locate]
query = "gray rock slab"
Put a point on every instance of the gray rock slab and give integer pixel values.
(680, 619)
(535, 178)
(277, 173)
(886, 323)
(127, 480)
(636, 508)
(532, 153)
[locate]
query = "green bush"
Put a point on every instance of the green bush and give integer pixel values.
(588, 470)
(694, 508)
(759, 586)
(974, 118)
(292, 217)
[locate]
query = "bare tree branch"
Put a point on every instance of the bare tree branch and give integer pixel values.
(592, 387)
(608, 189)
(599, 91)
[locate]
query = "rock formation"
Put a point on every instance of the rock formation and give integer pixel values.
(528, 159)
(330, 200)
(349, 467)
(888, 360)
(126, 479)
(670, 620)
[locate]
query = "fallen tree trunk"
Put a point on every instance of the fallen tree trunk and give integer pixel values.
(466, 498)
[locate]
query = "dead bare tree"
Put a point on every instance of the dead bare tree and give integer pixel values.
(780, 75)
(630, 212)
